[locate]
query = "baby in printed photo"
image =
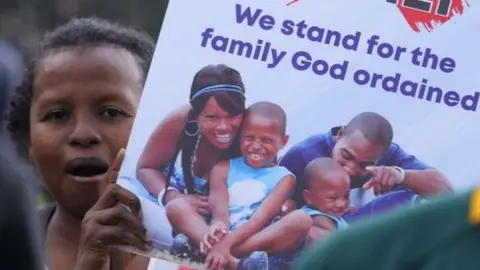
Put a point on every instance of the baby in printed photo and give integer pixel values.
(327, 197)
(246, 195)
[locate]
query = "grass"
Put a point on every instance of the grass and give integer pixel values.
(165, 255)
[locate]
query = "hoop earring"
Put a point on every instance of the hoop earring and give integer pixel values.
(192, 128)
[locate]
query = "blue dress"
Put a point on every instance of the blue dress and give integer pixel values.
(339, 221)
(248, 187)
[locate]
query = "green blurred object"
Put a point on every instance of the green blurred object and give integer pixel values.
(436, 235)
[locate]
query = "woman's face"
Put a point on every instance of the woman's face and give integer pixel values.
(217, 125)
(83, 105)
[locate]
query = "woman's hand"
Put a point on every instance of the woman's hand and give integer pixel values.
(199, 202)
(113, 220)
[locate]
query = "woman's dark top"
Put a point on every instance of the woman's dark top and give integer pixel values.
(45, 214)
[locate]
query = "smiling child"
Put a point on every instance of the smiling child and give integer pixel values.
(327, 197)
(246, 196)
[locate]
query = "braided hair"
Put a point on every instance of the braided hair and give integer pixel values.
(232, 102)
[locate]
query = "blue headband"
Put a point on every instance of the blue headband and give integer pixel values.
(219, 88)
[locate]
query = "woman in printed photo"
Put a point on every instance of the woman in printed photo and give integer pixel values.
(203, 131)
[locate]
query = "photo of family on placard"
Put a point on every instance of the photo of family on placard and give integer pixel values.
(219, 186)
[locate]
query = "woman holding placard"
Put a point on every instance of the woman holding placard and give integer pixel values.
(71, 116)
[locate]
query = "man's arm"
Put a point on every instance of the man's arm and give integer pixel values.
(265, 213)
(419, 177)
(218, 197)
(321, 228)
(426, 182)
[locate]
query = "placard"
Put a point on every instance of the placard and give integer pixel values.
(386, 90)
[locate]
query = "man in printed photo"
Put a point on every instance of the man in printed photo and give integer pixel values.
(365, 149)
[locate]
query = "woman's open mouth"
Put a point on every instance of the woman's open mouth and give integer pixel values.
(86, 169)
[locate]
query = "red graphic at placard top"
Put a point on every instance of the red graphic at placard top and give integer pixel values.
(429, 20)
(425, 14)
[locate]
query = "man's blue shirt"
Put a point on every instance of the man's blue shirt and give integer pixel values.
(321, 145)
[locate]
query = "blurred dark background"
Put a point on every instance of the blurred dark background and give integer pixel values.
(24, 22)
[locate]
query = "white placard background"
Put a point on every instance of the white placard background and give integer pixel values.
(444, 137)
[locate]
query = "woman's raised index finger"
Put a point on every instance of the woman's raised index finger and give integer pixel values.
(115, 194)
(115, 167)
(113, 171)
